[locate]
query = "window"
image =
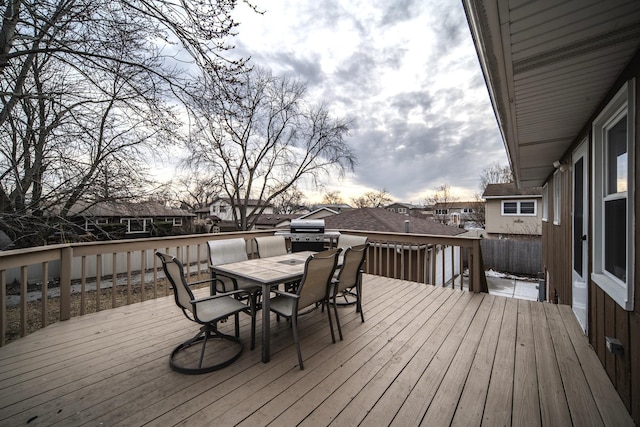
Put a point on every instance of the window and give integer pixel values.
(402, 210)
(442, 211)
(519, 207)
(545, 203)
(613, 133)
(137, 225)
(556, 197)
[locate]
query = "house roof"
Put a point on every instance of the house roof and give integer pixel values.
(250, 202)
(121, 209)
(382, 220)
(275, 219)
(456, 205)
(404, 205)
(547, 66)
(501, 191)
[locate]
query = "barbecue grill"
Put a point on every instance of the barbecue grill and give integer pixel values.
(306, 235)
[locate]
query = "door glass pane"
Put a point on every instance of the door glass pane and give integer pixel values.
(615, 238)
(578, 214)
(617, 157)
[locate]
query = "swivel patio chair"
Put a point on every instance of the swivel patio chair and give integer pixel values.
(192, 357)
(350, 278)
(314, 288)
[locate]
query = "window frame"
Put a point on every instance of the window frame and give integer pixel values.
(557, 198)
(545, 202)
(623, 103)
(518, 207)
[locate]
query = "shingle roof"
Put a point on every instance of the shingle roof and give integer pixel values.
(112, 209)
(510, 189)
(382, 220)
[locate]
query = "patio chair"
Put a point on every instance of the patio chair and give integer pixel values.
(191, 356)
(349, 277)
(348, 296)
(346, 240)
(227, 251)
(314, 288)
(269, 246)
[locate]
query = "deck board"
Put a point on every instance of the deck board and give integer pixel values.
(424, 355)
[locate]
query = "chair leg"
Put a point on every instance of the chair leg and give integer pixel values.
(333, 336)
(236, 317)
(359, 300)
(294, 325)
(335, 309)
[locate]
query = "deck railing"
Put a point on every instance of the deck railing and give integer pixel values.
(103, 275)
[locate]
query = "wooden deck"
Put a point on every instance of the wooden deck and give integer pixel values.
(425, 355)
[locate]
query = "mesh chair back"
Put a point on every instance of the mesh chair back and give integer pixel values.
(347, 240)
(269, 246)
(351, 266)
(175, 273)
(318, 271)
(227, 251)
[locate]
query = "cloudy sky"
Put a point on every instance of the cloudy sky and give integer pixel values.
(406, 71)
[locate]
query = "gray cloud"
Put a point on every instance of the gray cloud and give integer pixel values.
(438, 129)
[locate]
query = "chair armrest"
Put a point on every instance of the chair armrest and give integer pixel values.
(285, 294)
(218, 295)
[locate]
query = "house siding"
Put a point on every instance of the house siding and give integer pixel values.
(606, 317)
(496, 223)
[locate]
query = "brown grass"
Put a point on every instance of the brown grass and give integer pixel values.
(34, 309)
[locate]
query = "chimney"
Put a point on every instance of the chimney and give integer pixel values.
(406, 226)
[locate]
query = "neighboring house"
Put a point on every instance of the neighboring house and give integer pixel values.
(407, 209)
(564, 81)
(138, 219)
(512, 211)
(456, 213)
(221, 207)
(267, 222)
(319, 213)
(337, 207)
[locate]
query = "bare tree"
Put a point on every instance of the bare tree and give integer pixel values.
(289, 202)
(372, 199)
(442, 200)
(265, 140)
(84, 85)
(495, 173)
(332, 198)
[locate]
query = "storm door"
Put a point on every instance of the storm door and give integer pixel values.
(580, 248)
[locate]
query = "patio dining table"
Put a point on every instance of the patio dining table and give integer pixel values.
(267, 272)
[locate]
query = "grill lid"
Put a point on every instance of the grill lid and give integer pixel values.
(307, 226)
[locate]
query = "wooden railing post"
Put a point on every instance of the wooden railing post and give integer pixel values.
(66, 256)
(475, 273)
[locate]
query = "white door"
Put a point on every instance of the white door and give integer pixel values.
(580, 257)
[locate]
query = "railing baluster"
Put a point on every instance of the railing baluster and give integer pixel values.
(3, 306)
(98, 280)
(143, 270)
(44, 312)
(129, 296)
(23, 300)
(114, 281)
(83, 285)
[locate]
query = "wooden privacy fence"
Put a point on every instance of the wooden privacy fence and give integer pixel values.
(512, 256)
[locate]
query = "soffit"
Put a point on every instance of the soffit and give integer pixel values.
(548, 65)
